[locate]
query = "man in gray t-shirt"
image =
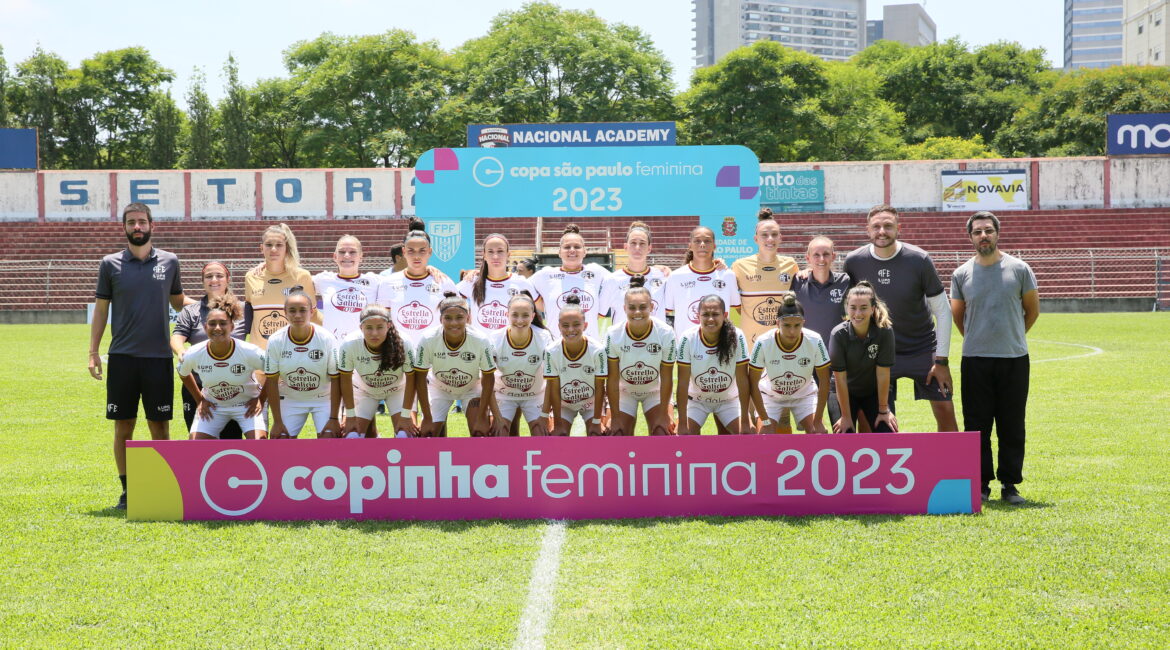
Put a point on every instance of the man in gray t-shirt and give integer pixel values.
(995, 301)
(905, 279)
(138, 283)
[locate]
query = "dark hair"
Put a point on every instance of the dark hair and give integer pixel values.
(571, 228)
(789, 306)
(881, 315)
(983, 214)
(228, 304)
(638, 285)
(138, 207)
(537, 321)
(450, 300)
(392, 352)
(725, 345)
(573, 301)
(395, 252)
(690, 255)
(764, 214)
(880, 208)
(529, 263)
(638, 225)
(416, 228)
(480, 288)
(297, 291)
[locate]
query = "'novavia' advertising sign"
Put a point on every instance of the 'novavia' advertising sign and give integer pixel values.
(1005, 189)
(582, 134)
(550, 477)
(1138, 133)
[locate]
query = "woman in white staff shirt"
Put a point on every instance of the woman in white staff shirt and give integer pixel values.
(640, 355)
(414, 293)
(227, 368)
(574, 374)
(301, 364)
(519, 352)
(572, 278)
(376, 364)
(342, 294)
(489, 289)
(781, 371)
(613, 290)
(713, 372)
(455, 363)
(698, 278)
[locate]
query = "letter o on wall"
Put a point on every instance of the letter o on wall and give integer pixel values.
(288, 190)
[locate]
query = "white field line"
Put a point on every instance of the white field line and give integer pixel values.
(1092, 350)
(539, 608)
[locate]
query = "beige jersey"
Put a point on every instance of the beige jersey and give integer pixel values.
(266, 293)
(760, 288)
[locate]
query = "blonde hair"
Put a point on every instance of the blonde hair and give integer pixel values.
(881, 314)
(291, 257)
(357, 242)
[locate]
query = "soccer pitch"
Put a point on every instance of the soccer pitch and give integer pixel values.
(1084, 564)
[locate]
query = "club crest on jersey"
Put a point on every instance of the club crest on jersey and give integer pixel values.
(884, 276)
(533, 359)
(415, 316)
(317, 355)
(654, 348)
(160, 272)
(803, 362)
(519, 381)
(693, 312)
(718, 284)
(836, 295)
(589, 370)
(349, 300)
(302, 380)
(467, 356)
(872, 350)
(640, 374)
(713, 381)
(588, 275)
(238, 369)
(454, 377)
(576, 391)
(785, 278)
(445, 239)
(493, 315)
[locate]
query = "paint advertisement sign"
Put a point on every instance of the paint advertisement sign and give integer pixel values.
(1004, 189)
(793, 191)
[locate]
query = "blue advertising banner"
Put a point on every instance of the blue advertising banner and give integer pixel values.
(1138, 133)
(793, 191)
(18, 149)
(587, 182)
(581, 134)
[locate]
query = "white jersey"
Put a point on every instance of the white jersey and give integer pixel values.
(305, 367)
(228, 380)
(554, 284)
(613, 294)
(521, 367)
(788, 373)
(492, 315)
(711, 380)
(353, 357)
(640, 358)
(341, 300)
(414, 303)
(686, 287)
(454, 371)
(576, 375)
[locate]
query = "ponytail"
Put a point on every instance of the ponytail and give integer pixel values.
(727, 340)
(392, 352)
(416, 228)
(789, 306)
(291, 257)
(638, 285)
(452, 300)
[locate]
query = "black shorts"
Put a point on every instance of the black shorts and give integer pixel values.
(867, 405)
(129, 378)
(916, 367)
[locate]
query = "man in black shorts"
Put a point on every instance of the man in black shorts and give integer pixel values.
(140, 282)
(905, 278)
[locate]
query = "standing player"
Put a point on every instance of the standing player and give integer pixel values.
(139, 283)
(640, 356)
(526, 267)
(463, 370)
(699, 278)
(763, 278)
(713, 372)
(995, 302)
(489, 290)
(572, 278)
(519, 352)
(344, 293)
(376, 364)
(783, 362)
(301, 364)
(905, 279)
(821, 291)
(414, 293)
(575, 371)
(267, 285)
(613, 290)
(227, 367)
(861, 351)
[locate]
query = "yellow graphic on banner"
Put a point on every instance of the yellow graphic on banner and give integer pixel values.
(153, 491)
(968, 191)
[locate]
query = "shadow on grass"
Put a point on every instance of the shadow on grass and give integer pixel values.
(1001, 506)
(364, 525)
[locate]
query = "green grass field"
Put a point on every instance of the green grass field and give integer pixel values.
(1085, 564)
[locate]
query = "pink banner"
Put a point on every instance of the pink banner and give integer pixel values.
(559, 478)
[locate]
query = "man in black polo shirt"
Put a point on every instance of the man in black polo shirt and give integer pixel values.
(140, 283)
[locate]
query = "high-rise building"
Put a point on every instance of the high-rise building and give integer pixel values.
(1147, 39)
(1093, 33)
(831, 29)
(907, 23)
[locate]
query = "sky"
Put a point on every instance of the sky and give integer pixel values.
(185, 36)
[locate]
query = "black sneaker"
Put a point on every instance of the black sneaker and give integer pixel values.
(1012, 495)
(121, 502)
(985, 491)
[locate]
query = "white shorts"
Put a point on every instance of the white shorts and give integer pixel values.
(628, 404)
(727, 411)
(586, 412)
(528, 406)
(801, 407)
(366, 405)
(295, 414)
(441, 402)
(221, 415)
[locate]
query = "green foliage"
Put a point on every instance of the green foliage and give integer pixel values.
(854, 123)
(763, 97)
(546, 64)
(1069, 119)
(947, 148)
(164, 125)
(277, 127)
(234, 124)
(3, 89)
(199, 134)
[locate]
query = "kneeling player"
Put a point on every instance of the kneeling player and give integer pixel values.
(713, 372)
(781, 371)
(303, 357)
(519, 352)
(574, 374)
(463, 370)
(376, 364)
(641, 366)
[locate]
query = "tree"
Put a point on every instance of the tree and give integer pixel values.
(763, 96)
(235, 127)
(354, 90)
(199, 136)
(164, 123)
(35, 103)
(278, 128)
(853, 122)
(948, 148)
(1069, 118)
(3, 89)
(545, 64)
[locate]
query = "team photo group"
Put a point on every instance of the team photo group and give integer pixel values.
(511, 342)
